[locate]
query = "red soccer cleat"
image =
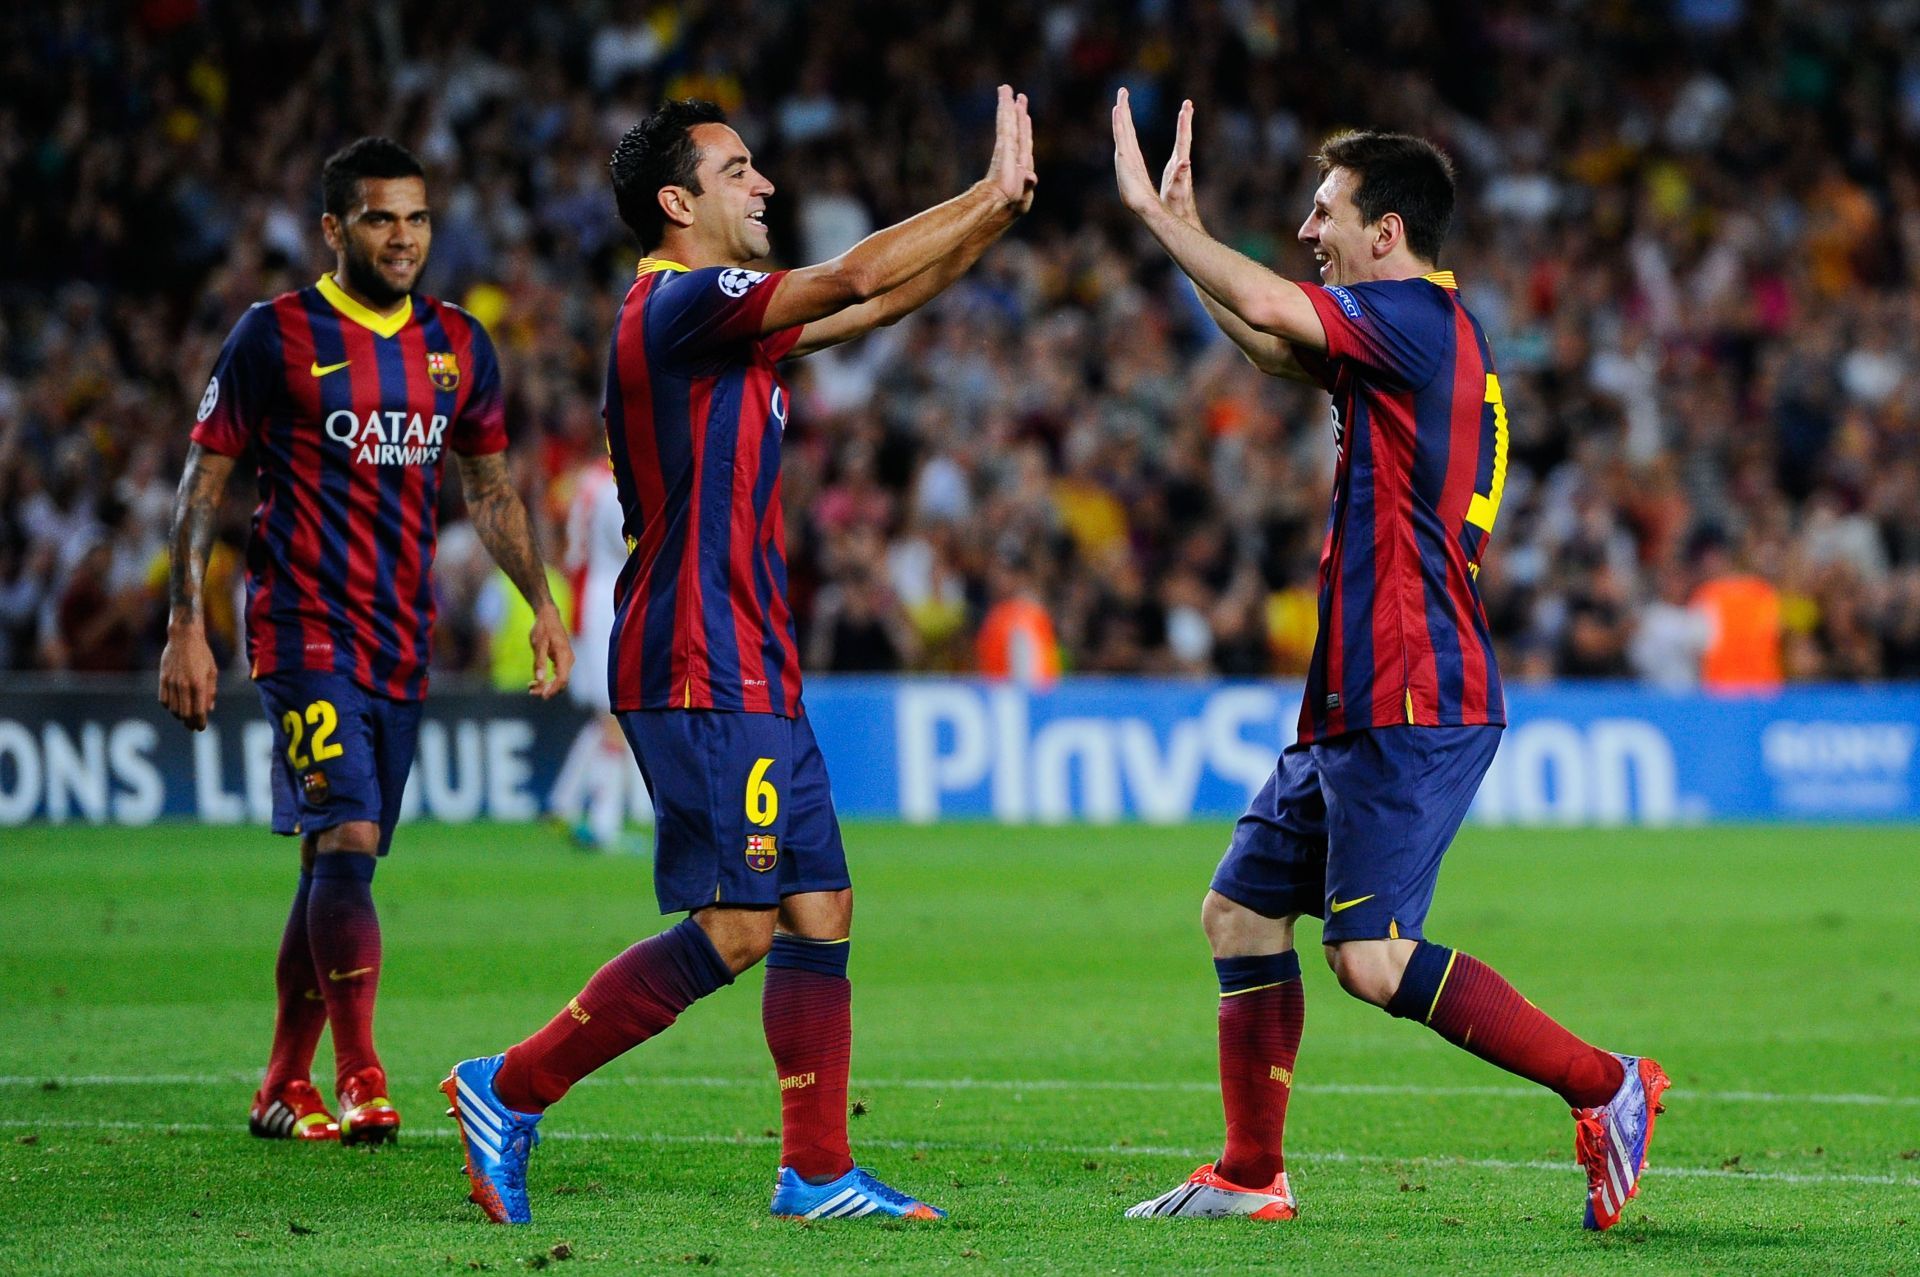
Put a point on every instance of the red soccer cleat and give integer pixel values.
(296, 1113)
(368, 1116)
(1611, 1141)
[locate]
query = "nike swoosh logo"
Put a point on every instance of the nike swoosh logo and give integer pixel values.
(348, 975)
(1338, 905)
(318, 371)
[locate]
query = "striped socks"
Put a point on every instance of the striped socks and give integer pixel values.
(1470, 1005)
(1262, 1010)
(807, 1010)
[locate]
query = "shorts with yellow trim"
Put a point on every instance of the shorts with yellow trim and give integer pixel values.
(743, 814)
(1353, 829)
(340, 752)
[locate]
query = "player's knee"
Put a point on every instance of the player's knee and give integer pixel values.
(361, 836)
(741, 937)
(1369, 970)
(1232, 929)
(818, 915)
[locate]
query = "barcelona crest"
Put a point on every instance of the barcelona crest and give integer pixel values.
(315, 785)
(763, 852)
(443, 369)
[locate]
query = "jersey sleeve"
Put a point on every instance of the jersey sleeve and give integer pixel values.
(481, 427)
(241, 390)
(694, 314)
(1392, 329)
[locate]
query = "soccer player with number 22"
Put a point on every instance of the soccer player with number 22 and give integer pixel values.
(703, 664)
(1403, 705)
(348, 393)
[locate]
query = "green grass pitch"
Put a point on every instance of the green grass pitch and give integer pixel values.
(1034, 1015)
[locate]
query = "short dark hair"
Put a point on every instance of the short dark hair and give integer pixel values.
(1398, 173)
(657, 152)
(377, 157)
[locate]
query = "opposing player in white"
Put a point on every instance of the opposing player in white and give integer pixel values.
(599, 780)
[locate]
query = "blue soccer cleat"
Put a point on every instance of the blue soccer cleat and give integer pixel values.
(853, 1195)
(1611, 1141)
(496, 1139)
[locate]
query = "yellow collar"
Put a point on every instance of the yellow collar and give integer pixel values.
(1444, 278)
(366, 317)
(654, 265)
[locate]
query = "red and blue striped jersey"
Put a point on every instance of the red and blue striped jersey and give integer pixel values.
(695, 411)
(348, 413)
(1421, 434)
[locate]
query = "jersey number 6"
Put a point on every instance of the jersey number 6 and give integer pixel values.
(763, 801)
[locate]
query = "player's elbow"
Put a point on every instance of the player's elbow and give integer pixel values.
(1270, 311)
(854, 280)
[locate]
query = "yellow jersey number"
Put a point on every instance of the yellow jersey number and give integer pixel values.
(324, 719)
(763, 801)
(1485, 506)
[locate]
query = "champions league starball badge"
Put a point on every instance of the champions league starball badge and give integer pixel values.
(736, 280)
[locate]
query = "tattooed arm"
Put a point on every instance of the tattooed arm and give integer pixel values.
(501, 520)
(188, 675)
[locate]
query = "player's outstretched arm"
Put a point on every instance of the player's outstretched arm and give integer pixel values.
(188, 675)
(886, 259)
(500, 518)
(1261, 299)
(1270, 354)
(896, 304)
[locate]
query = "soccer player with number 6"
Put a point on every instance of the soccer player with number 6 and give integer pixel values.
(704, 665)
(1403, 705)
(348, 394)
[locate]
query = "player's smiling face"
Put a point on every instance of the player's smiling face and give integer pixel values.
(381, 244)
(1341, 242)
(730, 211)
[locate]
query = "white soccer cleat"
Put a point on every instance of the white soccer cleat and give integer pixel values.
(1206, 1196)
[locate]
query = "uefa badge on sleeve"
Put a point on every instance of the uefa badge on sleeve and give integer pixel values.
(443, 369)
(763, 852)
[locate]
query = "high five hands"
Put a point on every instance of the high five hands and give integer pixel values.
(1175, 193)
(1011, 172)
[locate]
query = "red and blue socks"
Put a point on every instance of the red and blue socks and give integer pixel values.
(634, 997)
(1262, 1010)
(343, 932)
(807, 1010)
(1470, 1005)
(302, 1010)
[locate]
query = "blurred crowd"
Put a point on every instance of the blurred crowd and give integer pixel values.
(1691, 229)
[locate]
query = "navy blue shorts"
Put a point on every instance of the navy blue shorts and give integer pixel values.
(1352, 829)
(341, 752)
(742, 812)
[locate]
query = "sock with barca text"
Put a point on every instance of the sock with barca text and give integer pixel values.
(1262, 1010)
(632, 998)
(807, 1011)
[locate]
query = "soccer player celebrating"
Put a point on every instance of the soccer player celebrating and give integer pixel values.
(347, 392)
(703, 664)
(1403, 705)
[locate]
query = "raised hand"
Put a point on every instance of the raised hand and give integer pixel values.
(1129, 165)
(1176, 181)
(1010, 172)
